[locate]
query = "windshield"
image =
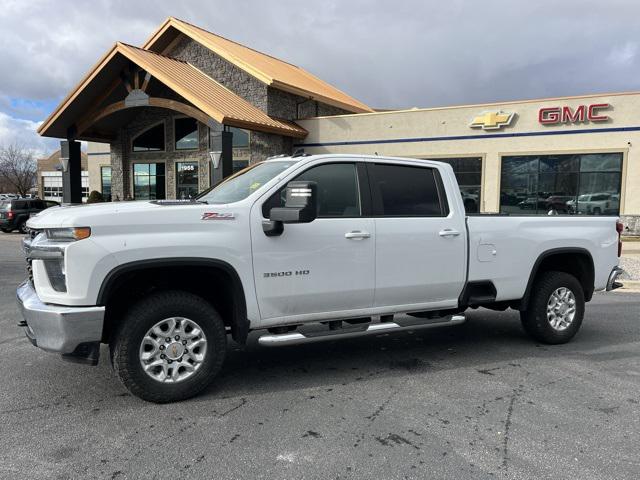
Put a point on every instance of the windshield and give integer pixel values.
(245, 182)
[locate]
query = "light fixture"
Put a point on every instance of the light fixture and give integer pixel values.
(215, 158)
(64, 163)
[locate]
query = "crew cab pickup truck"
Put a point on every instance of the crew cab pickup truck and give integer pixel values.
(300, 249)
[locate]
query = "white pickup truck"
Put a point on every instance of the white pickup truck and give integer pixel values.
(302, 249)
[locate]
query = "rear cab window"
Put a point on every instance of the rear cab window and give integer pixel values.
(407, 191)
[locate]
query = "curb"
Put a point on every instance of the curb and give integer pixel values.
(629, 286)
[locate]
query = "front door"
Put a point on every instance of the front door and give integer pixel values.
(420, 244)
(314, 269)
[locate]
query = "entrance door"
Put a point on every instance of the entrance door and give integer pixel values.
(186, 180)
(315, 269)
(420, 246)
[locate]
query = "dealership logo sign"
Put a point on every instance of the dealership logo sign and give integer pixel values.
(492, 120)
(579, 114)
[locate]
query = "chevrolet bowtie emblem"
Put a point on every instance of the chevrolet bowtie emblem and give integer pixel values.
(492, 120)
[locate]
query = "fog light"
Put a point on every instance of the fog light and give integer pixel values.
(56, 274)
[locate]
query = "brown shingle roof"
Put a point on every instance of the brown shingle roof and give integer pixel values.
(268, 69)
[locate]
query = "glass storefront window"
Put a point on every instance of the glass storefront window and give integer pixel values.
(186, 133)
(241, 150)
(582, 184)
(105, 181)
(151, 140)
(186, 180)
(240, 137)
(148, 181)
(468, 171)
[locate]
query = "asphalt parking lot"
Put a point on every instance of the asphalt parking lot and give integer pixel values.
(475, 401)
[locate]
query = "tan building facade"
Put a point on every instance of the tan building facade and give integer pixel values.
(99, 167)
(566, 155)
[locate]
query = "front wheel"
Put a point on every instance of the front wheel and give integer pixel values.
(555, 309)
(169, 347)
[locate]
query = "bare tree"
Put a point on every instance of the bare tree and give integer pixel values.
(17, 168)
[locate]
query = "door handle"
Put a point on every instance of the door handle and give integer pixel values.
(357, 235)
(447, 232)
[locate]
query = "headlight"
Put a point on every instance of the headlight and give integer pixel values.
(68, 234)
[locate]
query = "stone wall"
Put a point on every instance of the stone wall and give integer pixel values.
(264, 145)
(294, 107)
(232, 77)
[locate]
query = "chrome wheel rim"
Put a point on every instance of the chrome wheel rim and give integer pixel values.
(173, 350)
(561, 308)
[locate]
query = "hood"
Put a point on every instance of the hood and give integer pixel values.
(141, 217)
(89, 215)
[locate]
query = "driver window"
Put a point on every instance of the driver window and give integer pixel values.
(338, 193)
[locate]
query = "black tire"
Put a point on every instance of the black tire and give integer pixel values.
(140, 318)
(534, 319)
(6, 230)
(23, 228)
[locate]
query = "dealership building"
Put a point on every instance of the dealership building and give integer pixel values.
(188, 108)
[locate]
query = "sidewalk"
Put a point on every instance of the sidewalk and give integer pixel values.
(630, 262)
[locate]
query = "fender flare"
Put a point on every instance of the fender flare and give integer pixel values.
(555, 251)
(240, 324)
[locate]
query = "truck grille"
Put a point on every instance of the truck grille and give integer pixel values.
(29, 271)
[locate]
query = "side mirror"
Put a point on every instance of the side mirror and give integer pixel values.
(300, 207)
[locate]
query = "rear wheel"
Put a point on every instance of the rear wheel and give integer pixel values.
(169, 347)
(23, 228)
(5, 230)
(555, 309)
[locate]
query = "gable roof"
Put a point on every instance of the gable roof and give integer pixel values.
(199, 89)
(270, 70)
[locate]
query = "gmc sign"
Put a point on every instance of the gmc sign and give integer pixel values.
(582, 113)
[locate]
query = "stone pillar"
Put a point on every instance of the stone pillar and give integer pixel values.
(118, 169)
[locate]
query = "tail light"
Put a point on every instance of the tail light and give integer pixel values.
(619, 229)
(10, 215)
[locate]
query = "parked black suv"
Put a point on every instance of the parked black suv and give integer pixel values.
(15, 213)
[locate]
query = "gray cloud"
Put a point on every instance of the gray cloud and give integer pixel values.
(389, 54)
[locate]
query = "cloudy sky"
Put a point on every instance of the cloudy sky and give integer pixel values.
(389, 54)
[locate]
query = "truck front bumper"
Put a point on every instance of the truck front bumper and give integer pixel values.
(56, 328)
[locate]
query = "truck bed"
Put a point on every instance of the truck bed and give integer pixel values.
(503, 247)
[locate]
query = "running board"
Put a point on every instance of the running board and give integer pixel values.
(297, 338)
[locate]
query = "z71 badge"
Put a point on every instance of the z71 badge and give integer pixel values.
(218, 216)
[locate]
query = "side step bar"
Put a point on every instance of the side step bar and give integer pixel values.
(297, 338)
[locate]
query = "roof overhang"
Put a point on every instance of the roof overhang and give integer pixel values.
(207, 99)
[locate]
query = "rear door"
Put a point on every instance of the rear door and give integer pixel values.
(420, 237)
(314, 270)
